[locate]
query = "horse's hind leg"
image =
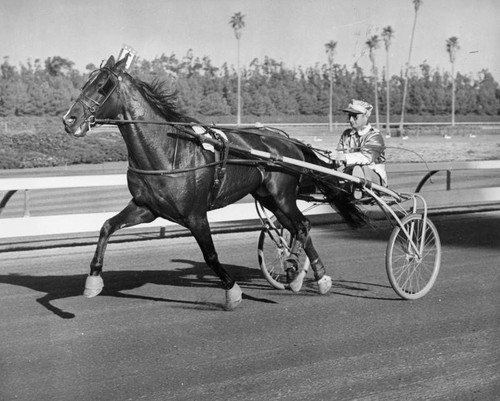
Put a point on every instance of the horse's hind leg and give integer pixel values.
(288, 214)
(304, 240)
(323, 281)
(128, 217)
(201, 231)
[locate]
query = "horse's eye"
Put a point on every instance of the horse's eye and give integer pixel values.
(106, 88)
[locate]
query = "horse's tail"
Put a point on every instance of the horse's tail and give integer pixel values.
(341, 201)
(339, 198)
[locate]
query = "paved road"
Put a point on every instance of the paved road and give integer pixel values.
(158, 332)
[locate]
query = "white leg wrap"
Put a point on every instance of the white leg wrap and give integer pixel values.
(324, 284)
(297, 282)
(93, 286)
(233, 297)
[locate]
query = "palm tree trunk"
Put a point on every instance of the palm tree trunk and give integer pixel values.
(452, 94)
(405, 89)
(238, 118)
(388, 97)
(330, 103)
(377, 121)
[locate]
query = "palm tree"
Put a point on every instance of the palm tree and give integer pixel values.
(452, 47)
(387, 35)
(372, 44)
(237, 24)
(416, 4)
(330, 50)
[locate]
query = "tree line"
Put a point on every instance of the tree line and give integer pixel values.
(268, 87)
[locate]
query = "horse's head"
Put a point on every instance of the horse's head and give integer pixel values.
(98, 99)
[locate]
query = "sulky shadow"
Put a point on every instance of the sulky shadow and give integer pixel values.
(354, 289)
(359, 289)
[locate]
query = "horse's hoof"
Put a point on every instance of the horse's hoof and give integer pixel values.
(296, 284)
(233, 297)
(291, 269)
(324, 284)
(93, 286)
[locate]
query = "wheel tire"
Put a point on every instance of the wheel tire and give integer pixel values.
(273, 250)
(411, 276)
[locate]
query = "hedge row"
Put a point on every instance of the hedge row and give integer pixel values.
(42, 142)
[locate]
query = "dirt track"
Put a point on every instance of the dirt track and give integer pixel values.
(158, 332)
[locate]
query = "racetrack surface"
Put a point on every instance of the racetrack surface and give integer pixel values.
(158, 331)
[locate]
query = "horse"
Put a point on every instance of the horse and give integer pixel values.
(180, 169)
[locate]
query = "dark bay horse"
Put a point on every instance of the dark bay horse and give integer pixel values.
(171, 175)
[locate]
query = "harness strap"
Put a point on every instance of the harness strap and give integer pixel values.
(242, 162)
(174, 160)
(221, 156)
(170, 172)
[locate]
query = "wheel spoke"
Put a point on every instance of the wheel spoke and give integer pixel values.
(274, 249)
(412, 259)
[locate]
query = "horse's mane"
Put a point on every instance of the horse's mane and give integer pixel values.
(162, 99)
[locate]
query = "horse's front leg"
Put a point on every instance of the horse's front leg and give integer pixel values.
(128, 217)
(201, 231)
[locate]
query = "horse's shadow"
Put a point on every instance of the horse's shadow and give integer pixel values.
(194, 275)
(197, 274)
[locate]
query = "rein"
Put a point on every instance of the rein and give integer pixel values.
(123, 122)
(193, 134)
(215, 143)
(218, 144)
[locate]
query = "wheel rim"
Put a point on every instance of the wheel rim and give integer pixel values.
(411, 274)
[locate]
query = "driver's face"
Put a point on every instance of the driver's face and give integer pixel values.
(358, 121)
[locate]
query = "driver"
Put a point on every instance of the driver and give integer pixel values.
(361, 148)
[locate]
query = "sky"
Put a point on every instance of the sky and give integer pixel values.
(290, 31)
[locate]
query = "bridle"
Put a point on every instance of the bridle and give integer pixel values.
(91, 106)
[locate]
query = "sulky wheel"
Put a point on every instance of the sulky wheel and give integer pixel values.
(273, 250)
(412, 270)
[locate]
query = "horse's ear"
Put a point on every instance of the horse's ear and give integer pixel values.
(111, 62)
(121, 65)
